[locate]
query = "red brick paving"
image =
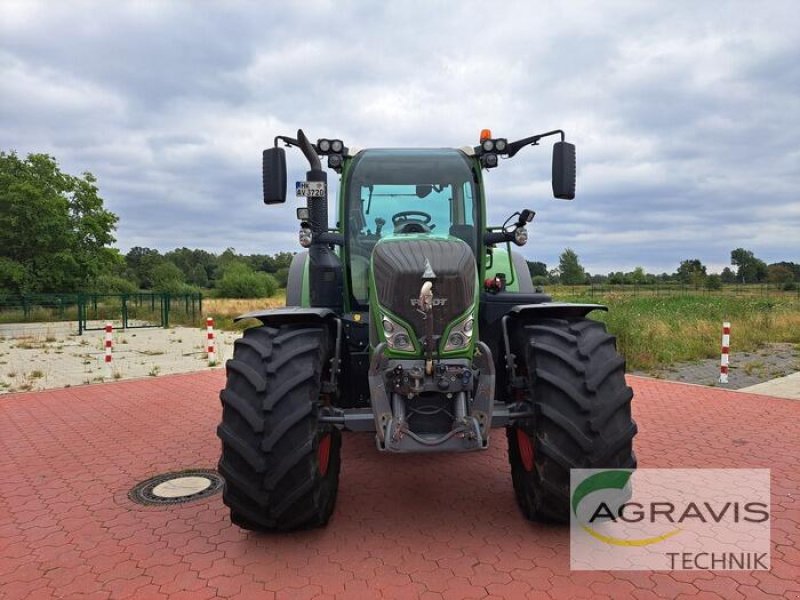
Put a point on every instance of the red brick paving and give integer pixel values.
(440, 526)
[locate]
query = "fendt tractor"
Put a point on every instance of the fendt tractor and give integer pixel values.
(414, 320)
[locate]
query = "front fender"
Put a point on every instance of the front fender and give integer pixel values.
(288, 315)
(555, 310)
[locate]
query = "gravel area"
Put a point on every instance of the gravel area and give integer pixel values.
(38, 356)
(745, 369)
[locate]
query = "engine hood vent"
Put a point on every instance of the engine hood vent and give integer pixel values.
(400, 267)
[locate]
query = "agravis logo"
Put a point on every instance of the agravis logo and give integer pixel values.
(616, 480)
(670, 519)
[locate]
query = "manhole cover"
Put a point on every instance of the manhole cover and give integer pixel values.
(175, 488)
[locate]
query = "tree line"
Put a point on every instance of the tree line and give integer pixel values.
(747, 269)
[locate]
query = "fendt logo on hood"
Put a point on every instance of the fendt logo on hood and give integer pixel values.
(434, 302)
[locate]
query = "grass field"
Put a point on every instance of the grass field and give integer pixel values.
(651, 331)
(658, 331)
(224, 310)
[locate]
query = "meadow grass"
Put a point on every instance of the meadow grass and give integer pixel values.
(655, 332)
(225, 310)
(651, 331)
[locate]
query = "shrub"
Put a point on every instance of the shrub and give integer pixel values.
(539, 280)
(112, 284)
(714, 282)
(168, 278)
(789, 286)
(282, 276)
(239, 281)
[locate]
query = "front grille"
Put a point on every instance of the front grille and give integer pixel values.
(398, 267)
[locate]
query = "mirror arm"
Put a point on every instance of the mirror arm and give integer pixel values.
(308, 149)
(491, 238)
(328, 237)
(286, 140)
(514, 147)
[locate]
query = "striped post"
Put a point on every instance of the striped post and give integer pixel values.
(108, 344)
(726, 346)
(212, 345)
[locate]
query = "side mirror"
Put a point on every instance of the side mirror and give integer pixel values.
(274, 172)
(564, 170)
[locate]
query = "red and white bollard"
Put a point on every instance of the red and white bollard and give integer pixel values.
(726, 346)
(108, 344)
(212, 345)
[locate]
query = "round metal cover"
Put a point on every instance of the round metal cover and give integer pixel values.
(178, 487)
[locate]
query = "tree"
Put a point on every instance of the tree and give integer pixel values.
(570, 268)
(616, 278)
(198, 276)
(191, 262)
(691, 271)
(537, 269)
(793, 267)
(140, 265)
(638, 276)
(167, 277)
(714, 282)
(240, 281)
(728, 276)
(779, 274)
(55, 234)
(749, 268)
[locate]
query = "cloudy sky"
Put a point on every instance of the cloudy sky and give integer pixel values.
(686, 115)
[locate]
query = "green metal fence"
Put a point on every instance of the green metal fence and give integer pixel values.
(90, 311)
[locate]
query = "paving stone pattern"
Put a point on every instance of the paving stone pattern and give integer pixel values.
(439, 526)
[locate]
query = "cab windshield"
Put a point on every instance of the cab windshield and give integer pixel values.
(394, 193)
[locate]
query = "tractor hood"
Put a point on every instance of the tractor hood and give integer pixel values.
(402, 264)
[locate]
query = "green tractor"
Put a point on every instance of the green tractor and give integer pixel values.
(414, 320)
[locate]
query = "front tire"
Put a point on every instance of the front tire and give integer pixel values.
(281, 466)
(582, 412)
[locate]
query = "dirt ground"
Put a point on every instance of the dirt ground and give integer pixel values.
(38, 356)
(745, 369)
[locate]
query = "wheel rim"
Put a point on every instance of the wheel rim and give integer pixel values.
(525, 449)
(324, 453)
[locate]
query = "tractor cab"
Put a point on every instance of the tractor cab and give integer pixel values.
(392, 194)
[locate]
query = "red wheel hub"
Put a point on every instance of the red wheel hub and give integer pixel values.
(324, 453)
(525, 449)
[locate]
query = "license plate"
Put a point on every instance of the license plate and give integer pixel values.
(310, 189)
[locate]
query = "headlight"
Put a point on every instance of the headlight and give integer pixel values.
(388, 326)
(456, 340)
(520, 236)
(460, 335)
(397, 336)
(305, 237)
(489, 161)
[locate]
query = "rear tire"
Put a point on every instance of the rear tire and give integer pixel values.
(281, 466)
(582, 407)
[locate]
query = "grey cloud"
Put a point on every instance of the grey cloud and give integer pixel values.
(685, 114)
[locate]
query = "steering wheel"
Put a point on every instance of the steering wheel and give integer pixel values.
(403, 223)
(403, 216)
